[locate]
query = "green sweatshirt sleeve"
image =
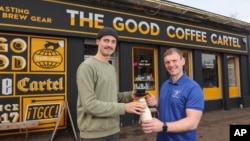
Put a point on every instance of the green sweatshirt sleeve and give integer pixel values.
(97, 91)
(125, 97)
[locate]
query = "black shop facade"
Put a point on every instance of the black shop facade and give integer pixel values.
(40, 51)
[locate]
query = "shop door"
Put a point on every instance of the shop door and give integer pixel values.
(145, 69)
(211, 76)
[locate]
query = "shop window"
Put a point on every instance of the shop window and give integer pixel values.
(90, 50)
(231, 70)
(233, 76)
(210, 70)
(143, 63)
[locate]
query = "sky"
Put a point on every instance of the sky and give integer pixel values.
(238, 9)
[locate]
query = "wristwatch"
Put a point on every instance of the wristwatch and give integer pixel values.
(164, 127)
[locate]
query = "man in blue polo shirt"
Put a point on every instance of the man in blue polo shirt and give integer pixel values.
(180, 104)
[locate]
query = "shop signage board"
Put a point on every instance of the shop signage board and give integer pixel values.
(76, 19)
(32, 80)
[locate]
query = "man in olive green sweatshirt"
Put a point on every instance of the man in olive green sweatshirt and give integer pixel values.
(99, 103)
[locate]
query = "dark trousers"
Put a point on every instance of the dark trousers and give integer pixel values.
(114, 137)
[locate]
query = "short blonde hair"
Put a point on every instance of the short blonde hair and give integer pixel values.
(170, 51)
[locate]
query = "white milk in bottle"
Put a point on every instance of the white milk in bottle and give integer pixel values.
(146, 115)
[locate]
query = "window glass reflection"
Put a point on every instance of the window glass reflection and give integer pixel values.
(209, 68)
(231, 70)
(143, 68)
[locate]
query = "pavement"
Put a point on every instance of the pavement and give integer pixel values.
(214, 126)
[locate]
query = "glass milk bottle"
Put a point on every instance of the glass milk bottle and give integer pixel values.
(146, 115)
